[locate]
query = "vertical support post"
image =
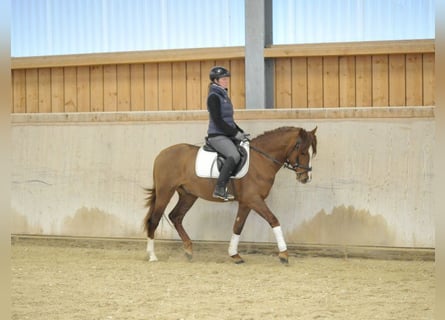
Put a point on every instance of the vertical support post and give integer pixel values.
(259, 71)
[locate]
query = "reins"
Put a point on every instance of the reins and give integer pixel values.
(285, 164)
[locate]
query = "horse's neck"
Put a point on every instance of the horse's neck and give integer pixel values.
(275, 145)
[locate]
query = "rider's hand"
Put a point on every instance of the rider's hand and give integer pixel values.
(241, 136)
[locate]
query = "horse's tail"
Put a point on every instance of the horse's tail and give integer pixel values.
(151, 200)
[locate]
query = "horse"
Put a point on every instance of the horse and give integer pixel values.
(289, 147)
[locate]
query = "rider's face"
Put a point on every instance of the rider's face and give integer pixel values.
(223, 82)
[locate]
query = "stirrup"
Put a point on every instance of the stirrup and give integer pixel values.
(224, 196)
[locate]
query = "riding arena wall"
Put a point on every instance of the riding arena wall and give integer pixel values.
(87, 128)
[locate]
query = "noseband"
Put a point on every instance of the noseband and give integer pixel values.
(296, 166)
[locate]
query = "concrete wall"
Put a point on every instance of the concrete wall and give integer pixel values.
(83, 174)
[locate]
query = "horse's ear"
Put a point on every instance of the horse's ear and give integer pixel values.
(314, 141)
(303, 134)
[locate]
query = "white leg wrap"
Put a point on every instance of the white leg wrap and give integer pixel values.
(233, 247)
(280, 239)
(151, 250)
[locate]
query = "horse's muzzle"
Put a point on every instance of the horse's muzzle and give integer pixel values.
(304, 176)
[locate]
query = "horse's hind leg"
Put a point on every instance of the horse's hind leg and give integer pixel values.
(185, 202)
(157, 208)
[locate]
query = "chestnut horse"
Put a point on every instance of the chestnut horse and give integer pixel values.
(290, 147)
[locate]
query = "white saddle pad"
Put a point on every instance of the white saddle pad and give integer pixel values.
(206, 166)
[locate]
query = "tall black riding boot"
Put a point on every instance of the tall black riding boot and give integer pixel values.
(224, 176)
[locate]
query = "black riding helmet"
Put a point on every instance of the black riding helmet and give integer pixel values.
(218, 72)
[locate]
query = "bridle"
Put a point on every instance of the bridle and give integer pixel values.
(297, 165)
(286, 164)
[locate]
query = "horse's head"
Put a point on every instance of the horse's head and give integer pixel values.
(300, 157)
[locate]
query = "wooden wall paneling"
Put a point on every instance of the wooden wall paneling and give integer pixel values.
(302, 79)
(428, 79)
(376, 82)
(165, 86)
(57, 90)
(237, 83)
(283, 51)
(354, 48)
(151, 86)
(19, 91)
(97, 88)
(83, 89)
(179, 86)
(283, 83)
(330, 82)
(397, 80)
(347, 81)
(137, 87)
(193, 85)
(226, 63)
(44, 90)
(315, 82)
(414, 94)
(110, 87)
(363, 81)
(123, 87)
(299, 82)
(205, 70)
(380, 84)
(32, 90)
(70, 89)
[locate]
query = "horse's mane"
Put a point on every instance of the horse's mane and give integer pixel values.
(279, 130)
(303, 134)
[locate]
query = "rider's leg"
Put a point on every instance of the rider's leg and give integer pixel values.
(226, 147)
(224, 176)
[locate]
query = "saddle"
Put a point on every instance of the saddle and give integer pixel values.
(209, 162)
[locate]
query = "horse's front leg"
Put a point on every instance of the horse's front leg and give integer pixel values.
(263, 210)
(238, 226)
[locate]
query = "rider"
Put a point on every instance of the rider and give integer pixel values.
(223, 133)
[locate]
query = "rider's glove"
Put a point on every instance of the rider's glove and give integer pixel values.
(241, 136)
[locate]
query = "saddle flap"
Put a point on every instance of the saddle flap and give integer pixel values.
(208, 162)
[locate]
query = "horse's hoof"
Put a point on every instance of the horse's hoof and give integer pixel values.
(237, 259)
(284, 257)
(188, 249)
(152, 259)
(284, 260)
(189, 256)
